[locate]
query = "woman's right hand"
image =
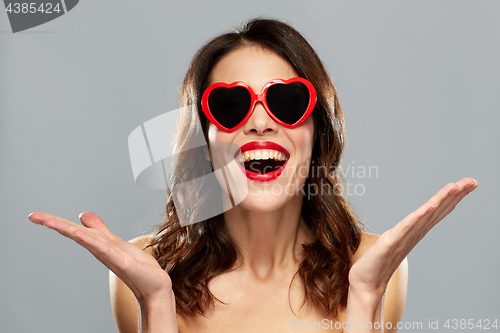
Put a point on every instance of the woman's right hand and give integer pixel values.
(135, 267)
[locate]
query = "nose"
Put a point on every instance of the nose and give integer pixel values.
(260, 122)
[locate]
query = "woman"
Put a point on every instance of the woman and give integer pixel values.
(281, 259)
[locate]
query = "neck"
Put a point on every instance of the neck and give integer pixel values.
(268, 242)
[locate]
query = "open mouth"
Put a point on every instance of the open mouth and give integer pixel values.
(263, 160)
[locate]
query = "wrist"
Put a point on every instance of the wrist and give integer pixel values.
(157, 314)
(367, 299)
(157, 298)
(364, 311)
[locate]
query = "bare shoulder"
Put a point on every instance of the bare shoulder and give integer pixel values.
(367, 240)
(123, 301)
(142, 241)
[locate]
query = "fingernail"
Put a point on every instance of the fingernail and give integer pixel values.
(80, 216)
(431, 208)
(35, 221)
(469, 188)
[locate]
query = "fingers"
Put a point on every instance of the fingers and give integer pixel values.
(96, 227)
(38, 217)
(88, 219)
(89, 236)
(416, 225)
(91, 220)
(446, 200)
(465, 186)
(64, 227)
(412, 222)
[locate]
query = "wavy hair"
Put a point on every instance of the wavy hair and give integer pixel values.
(194, 254)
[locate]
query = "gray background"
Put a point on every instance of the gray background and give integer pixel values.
(418, 81)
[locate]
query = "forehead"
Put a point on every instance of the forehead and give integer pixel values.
(252, 64)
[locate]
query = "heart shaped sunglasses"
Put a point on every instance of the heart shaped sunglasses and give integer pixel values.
(288, 102)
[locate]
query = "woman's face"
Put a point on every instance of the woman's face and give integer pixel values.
(257, 66)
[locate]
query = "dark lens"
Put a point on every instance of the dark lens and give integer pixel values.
(288, 102)
(229, 106)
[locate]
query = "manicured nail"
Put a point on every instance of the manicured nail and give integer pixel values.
(80, 216)
(35, 221)
(431, 208)
(469, 188)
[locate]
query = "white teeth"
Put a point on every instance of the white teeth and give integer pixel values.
(263, 154)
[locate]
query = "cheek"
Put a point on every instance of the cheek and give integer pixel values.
(217, 135)
(306, 138)
(221, 146)
(307, 142)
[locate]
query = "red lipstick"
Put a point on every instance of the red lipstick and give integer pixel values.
(254, 145)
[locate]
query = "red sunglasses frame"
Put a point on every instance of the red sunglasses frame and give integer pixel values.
(258, 98)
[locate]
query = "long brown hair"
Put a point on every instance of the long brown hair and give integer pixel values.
(195, 254)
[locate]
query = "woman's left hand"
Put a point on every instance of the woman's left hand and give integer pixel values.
(371, 273)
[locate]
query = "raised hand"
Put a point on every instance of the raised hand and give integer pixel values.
(370, 274)
(150, 284)
(374, 268)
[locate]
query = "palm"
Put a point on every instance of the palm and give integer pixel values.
(134, 266)
(375, 267)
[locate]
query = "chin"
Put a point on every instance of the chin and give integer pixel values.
(261, 205)
(261, 198)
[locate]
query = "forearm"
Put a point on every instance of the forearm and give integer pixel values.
(158, 315)
(364, 312)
